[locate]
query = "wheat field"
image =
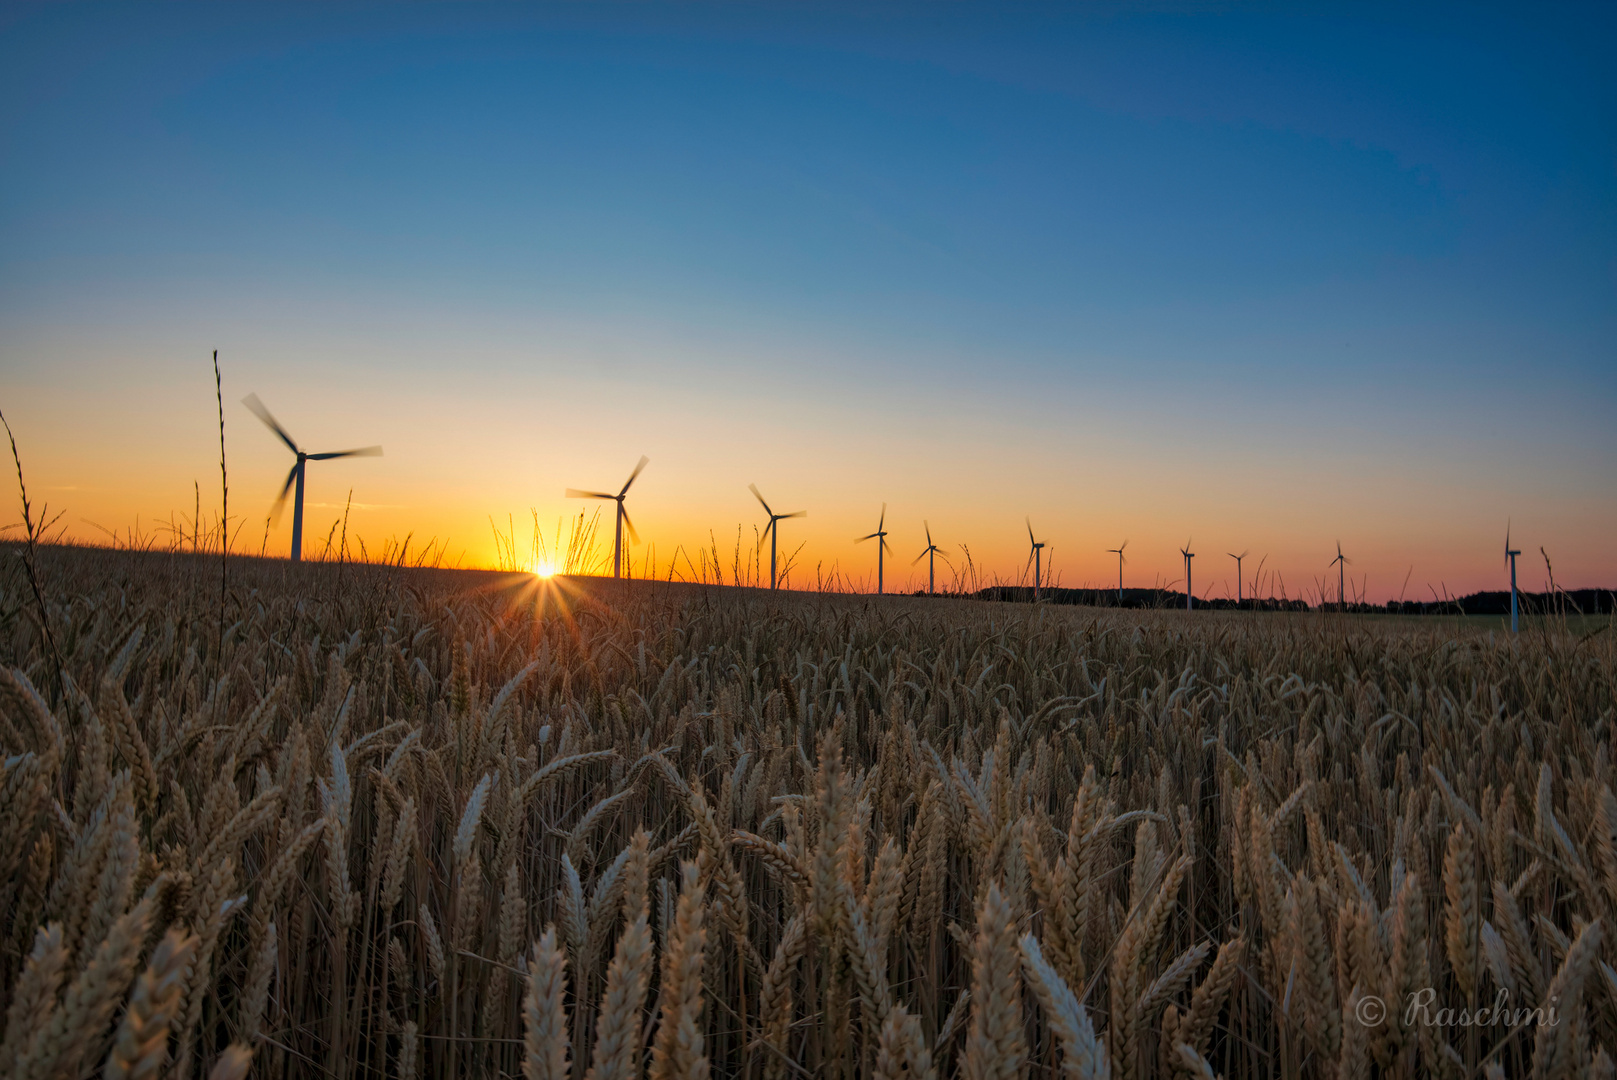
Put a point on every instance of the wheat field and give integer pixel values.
(363, 821)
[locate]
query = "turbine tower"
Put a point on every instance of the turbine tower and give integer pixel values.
(1340, 562)
(1038, 558)
(621, 518)
(773, 529)
(1238, 559)
(1118, 551)
(880, 535)
(930, 555)
(1190, 594)
(1510, 557)
(296, 475)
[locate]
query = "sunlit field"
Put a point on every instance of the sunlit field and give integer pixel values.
(351, 820)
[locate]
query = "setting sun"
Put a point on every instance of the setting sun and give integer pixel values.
(543, 568)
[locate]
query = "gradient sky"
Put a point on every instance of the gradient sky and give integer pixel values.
(1264, 276)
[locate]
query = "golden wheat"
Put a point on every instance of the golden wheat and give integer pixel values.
(783, 835)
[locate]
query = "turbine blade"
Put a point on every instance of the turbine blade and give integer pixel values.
(919, 557)
(256, 407)
(643, 462)
(754, 489)
(862, 539)
(574, 493)
(364, 451)
(928, 525)
(881, 522)
(1030, 531)
(1124, 545)
(800, 513)
(291, 478)
(634, 537)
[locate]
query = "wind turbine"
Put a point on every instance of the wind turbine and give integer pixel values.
(930, 555)
(774, 530)
(1118, 551)
(1238, 559)
(1190, 594)
(296, 475)
(880, 536)
(1510, 557)
(1340, 562)
(1038, 560)
(621, 519)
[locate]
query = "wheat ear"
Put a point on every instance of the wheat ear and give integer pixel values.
(995, 1046)
(775, 997)
(91, 999)
(1209, 995)
(1083, 1056)
(901, 1052)
(544, 1012)
(140, 1048)
(678, 1051)
(1557, 1052)
(618, 1028)
(233, 1063)
(34, 995)
(256, 999)
(1462, 914)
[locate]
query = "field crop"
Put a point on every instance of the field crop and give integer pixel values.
(357, 821)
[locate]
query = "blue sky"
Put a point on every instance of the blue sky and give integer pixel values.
(1287, 271)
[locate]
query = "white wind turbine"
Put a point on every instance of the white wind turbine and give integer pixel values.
(1190, 594)
(930, 555)
(880, 536)
(1238, 559)
(1038, 558)
(1118, 551)
(773, 528)
(1510, 557)
(296, 475)
(621, 518)
(1340, 562)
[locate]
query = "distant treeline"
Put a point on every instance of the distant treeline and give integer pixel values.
(1560, 602)
(1567, 602)
(1129, 598)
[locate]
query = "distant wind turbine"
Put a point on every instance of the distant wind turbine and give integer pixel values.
(1190, 594)
(296, 475)
(621, 518)
(773, 529)
(880, 536)
(1340, 562)
(930, 555)
(1238, 559)
(1510, 557)
(1118, 551)
(1038, 558)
